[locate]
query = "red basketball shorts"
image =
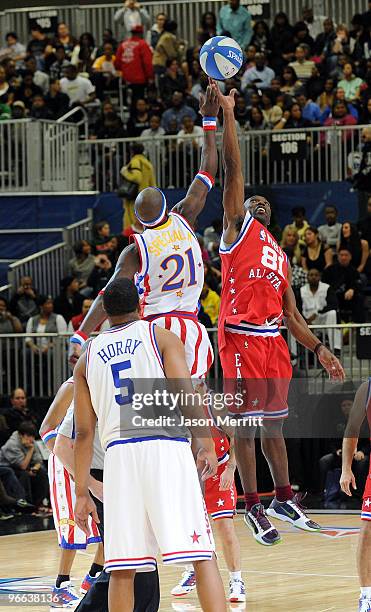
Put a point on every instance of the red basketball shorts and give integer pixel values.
(366, 504)
(257, 371)
(220, 504)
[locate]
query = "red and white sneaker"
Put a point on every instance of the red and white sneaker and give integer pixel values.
(186, 585)
(237, 593)
(88, 582)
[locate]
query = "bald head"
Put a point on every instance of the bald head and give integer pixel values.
(149, 206)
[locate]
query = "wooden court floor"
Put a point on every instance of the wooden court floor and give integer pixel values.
(306, 572)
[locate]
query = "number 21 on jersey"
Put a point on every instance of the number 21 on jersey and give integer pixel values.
(176, 280)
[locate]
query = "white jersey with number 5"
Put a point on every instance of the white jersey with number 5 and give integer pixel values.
(171, 275)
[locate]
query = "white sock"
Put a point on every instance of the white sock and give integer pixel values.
(235, 575)
(189, 568)
(366, 592)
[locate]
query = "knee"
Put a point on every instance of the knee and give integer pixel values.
(272, 429)
(225, 529)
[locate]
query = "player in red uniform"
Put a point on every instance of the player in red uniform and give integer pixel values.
(221, 499)
(256, 296)
(360, 409)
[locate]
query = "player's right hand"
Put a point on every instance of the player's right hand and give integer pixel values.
(85, 506)
(226, 102)
(207, 461)
(347, 479)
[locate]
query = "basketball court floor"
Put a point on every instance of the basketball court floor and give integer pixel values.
(306, 572)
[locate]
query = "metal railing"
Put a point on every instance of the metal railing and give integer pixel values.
(41, 373)
(46, 268)
(96, 18)
(38, 156)
(81, 230)
(271, 156)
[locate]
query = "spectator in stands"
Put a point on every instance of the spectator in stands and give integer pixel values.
(40, 78)
(290, 82)
(258, 77)
(271, 112)
(340, 115)
(39, 109)
(153, 35)
(236, 20)
(21, 453)
(140, 171)
(27, 90)
(316, 254)
(69, 302)
(261, 38)
(101, 235)
(173, 80)
(190, 129)
(139, 119)
(350, 83)
(345, 280)
(5, 112)
(290, 240)
(324, 41)
(9, 324)
(213, 277)
(310, 110)
(101, 274)
(313, 22)
(293, 119)
(153, 143)
(65, 40)
(341, 42)
(82, 264)
(13, 49)
(18, 110)
(76, 321)
(44, 322)
(57, 101)
(282, 45)
(362, 179)
(80, 90)
(358, 248)
(107, 38)
(84, 53)
(17, 412)
(6, 91)
(241, 112)
(366, 113)
(38, 43)
(105, 76)
(302, 66)
(319, 306)
(302, 37)
(112, 127)
(299, 223)
(298, 275)
(327, 97)
(330, 233)
(130, 16)
(167, 47)
(24, 303)
(177, 112)
(208, 27)
(134, 61)
(57, 69)
(210, 301)
(364, 225)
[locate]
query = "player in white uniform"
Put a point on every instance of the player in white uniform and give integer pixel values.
(166, 260)
(62, 495)
(142, 512)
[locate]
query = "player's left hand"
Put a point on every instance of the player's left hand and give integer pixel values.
(331, 364)
(85, 506)
(209, 103)
(207, 461)
(227, 477)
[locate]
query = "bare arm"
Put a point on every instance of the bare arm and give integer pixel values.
(298, 327)
(195, 198)
(350, 440)
(328, 257)
(234, 184)
(63, 449)
(56, 414)
(365, 254)
(85, 422)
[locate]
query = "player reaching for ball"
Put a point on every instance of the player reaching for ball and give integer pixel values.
(256, 296)
(360, 410)
(166, 259)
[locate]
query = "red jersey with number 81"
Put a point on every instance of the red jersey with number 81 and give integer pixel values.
(254, 279)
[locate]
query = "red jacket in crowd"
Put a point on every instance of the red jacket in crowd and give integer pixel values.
(134, 60)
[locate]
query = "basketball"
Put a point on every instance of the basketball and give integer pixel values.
(221, 57)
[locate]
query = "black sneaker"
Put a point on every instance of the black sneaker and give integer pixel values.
(262, 529)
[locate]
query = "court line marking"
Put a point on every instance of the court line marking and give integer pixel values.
(246, 571)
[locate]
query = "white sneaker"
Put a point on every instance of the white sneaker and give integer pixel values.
(237, 591)
(65, 596)
(364, 604)
(186, 585)
(292, 512)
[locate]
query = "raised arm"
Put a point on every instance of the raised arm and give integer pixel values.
(56, 414)
(194, 201)
(298, 327)
(128, 264)
(350, 440)
(234, 184)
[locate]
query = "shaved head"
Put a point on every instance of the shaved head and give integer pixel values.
(149, 205)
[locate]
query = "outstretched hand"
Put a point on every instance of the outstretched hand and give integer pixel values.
(331, 364)
(226, 102)
(209, 103)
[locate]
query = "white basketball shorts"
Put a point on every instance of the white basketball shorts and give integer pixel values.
(152, 502)
(62, 497)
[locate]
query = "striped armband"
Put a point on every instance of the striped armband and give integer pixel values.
(206, 178)
(209, 124)
(48, 435)
(101, 292)
(79, 337)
